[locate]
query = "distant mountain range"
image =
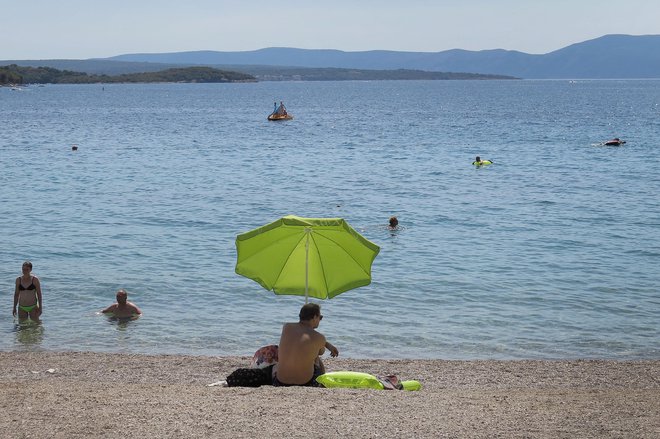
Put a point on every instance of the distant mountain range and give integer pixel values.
(610, 56)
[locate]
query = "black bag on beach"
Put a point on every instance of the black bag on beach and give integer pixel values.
(249, 377)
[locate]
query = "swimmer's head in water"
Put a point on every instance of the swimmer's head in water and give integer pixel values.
(394, 221)
(122, 296)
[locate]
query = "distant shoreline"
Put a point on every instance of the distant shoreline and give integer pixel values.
(15, 74)
(45, 72)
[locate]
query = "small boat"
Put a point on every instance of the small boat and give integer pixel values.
(274, 116)
(279, 113)
(614, 142)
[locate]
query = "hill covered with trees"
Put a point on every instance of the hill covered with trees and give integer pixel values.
(14, 74)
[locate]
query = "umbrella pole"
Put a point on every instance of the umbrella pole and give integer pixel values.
(307, 232)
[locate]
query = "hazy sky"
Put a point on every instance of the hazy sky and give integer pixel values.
(78, 29)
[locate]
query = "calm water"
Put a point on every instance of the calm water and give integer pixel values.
(551, 252)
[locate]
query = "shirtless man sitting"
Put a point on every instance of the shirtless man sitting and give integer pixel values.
(123, 308)
(300, 350)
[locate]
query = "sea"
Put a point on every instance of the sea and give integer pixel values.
(551, 252)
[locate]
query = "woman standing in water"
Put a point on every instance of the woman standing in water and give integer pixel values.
(27, 295)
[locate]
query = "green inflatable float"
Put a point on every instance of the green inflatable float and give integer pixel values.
(361, 380)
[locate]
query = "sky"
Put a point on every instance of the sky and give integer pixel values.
(81, 29)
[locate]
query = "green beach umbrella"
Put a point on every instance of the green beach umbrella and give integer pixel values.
(314, 257)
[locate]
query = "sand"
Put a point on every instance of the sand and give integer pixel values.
(76, 395)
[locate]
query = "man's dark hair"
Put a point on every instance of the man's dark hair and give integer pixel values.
(309, 311)
(122, 296)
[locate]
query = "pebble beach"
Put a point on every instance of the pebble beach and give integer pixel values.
(76, 395)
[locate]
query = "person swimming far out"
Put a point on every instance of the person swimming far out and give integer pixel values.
(393, 223)
(478, 162)
(614, 142)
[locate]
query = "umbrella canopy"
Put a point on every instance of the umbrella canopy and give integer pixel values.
(314, 257)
